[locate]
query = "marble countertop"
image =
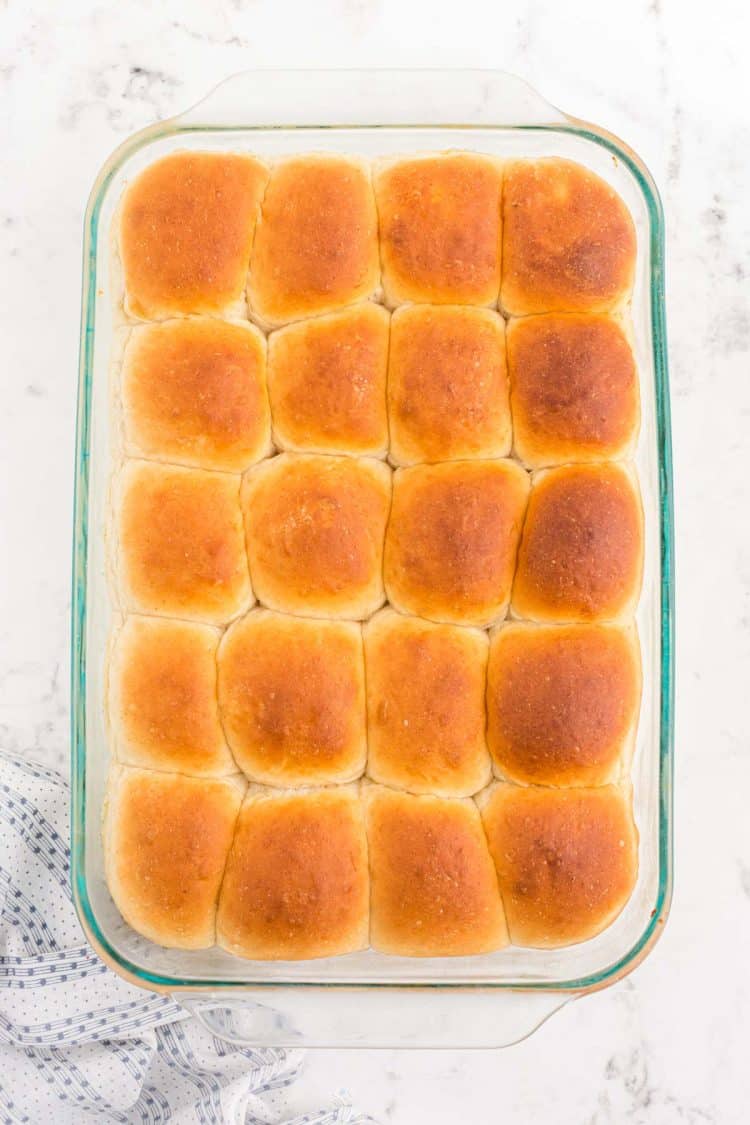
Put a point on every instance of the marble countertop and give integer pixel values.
(669, 1044)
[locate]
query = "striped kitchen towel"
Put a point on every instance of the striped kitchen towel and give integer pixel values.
(79, 1044)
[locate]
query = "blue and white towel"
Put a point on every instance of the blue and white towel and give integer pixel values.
(79, 1044)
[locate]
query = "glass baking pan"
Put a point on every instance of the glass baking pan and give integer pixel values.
(367, 999)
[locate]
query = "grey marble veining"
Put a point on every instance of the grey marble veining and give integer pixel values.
(669, 1045)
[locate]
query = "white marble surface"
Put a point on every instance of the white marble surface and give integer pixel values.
(669, 1045)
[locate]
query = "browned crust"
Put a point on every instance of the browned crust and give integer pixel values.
(581, 553)
(447, 384)
(186, 232)
(569, 242)
(296, 884)
(574, 389)
(452, 538)
(562, 701)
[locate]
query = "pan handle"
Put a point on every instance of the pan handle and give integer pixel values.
(417, 1017)
(346, 98)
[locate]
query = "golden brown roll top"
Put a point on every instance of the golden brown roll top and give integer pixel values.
(163, 709)
(296, 883)
(315, 531)
(181, 540)
(562, 702)
(425, 705)
(186, 231)
(581, 553)
(316, 246)
(434, 891)
(326, 379)
(569, 242)
(166, 841)
(566, 859)
(447, 384)
(574, 389)
(452, 537)
(194, 392)
(292, 697)
(440, 228)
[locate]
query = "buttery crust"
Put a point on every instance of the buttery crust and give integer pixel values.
(434, 890)
(292, 698)
(425, 705)
(566, 859)
(447, 384)
(315, 531)
(163, 709)
(166, 841)
(296, 884)
(326, 379)
(440, 228)
(194, 393)
(581, 553)
(574, 389)
(186, 230)
(562, 702)
(316, 246)
(182, 548)
(569, 242)
(451, 545)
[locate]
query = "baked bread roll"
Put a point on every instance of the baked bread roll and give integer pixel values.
(425, 705)
(194, 393)
(440, 228)
(163, 710)
(447, 384)
(574, 389)
(566, 859)
(292, 697)
(562, 702)
(182, 547)
(186, 230)
(316, 247)
(296, 883)
(315, 531)
(326, 378)
(434, 890)
(451, 544)
(166, 841)
(581, 553)
(569, 242)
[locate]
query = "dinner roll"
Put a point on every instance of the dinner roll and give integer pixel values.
(452, 537)
(447, 384)
(566, 859)
(425, 705)
(296, 883)
(562, 702)
(163, 709)
(316, 246)
(194, 392)
(186, 229)
(292, 698)
(182, 549)
(574, 389)
(166, 841)
(326, 378)
(440, 228)
(315, 530)
(569, 242)
(434, 891)
(581, 553)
